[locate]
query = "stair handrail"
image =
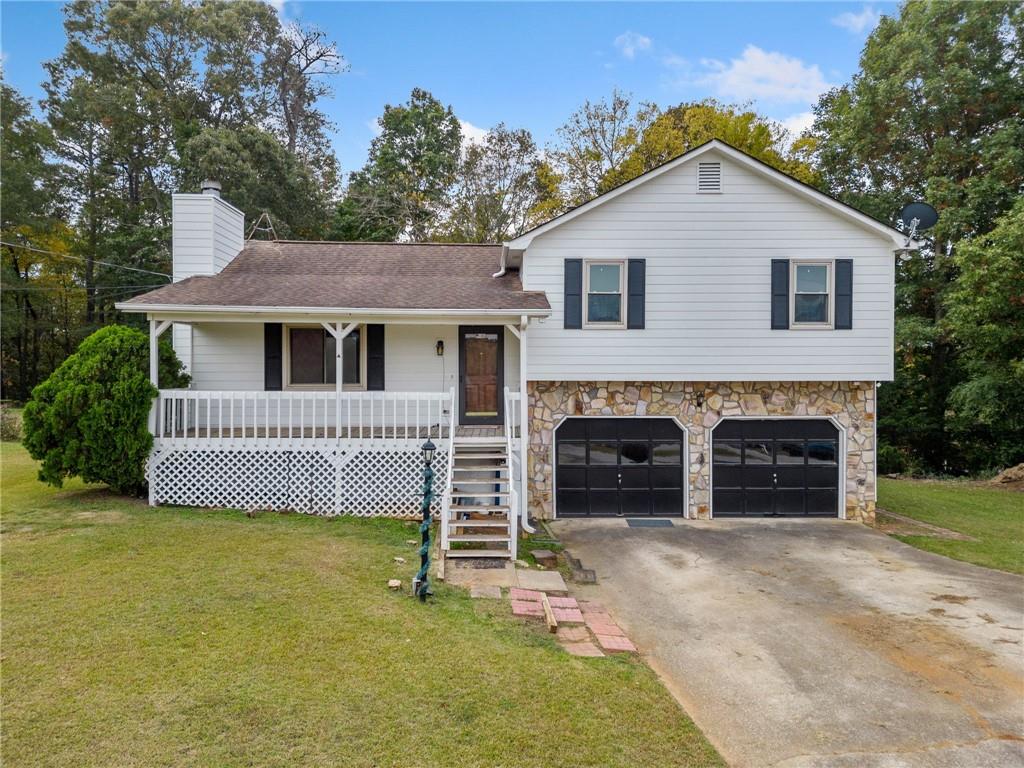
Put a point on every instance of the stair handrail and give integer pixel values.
(513, 493)
(446, 501)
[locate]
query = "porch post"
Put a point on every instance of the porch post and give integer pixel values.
(156, 327)
(524, 429)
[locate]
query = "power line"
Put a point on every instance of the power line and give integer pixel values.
(79, 258)
(80, 287)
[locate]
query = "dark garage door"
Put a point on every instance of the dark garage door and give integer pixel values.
(775, 467)
(625, 466)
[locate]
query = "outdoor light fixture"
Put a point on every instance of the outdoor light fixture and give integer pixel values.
(700, 399)
(428, 449)
(440, 348)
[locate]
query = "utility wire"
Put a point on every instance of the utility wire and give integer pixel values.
(80, 287)
(79, 258)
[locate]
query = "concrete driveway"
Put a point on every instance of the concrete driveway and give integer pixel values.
(819, 642)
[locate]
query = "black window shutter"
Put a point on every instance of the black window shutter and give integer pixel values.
(375, 358)
(637, 291)
(272, 348)
(844, 294)
(780, 294)
(573, 293)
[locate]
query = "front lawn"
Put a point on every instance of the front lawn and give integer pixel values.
(141, 637)
(992, 516)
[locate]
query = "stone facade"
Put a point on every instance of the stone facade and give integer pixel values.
(698, 406)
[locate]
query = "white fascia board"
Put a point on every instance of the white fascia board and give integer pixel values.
(656, 378)
(192, 313)
(898, 239)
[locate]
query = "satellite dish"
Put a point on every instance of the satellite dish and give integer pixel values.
(917, 216)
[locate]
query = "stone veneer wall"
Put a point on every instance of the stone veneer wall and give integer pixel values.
(852, 404)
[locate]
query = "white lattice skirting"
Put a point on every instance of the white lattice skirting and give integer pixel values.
(320, 480)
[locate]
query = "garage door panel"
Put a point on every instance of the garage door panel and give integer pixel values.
(603, 477)
(667, 502)
(628, 466)
(572, 502)
(775, 467)
(636, 502)
(604, 502)
(821, 502)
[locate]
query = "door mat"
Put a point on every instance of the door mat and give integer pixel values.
(634, 522)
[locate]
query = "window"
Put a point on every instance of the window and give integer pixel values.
(604, 293)
(310, 359)
(812, 287)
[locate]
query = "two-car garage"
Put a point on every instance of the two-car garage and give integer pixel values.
(637, 467)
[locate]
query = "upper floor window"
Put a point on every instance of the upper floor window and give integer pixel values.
(310, 358)
(811, 297)
(604, 291)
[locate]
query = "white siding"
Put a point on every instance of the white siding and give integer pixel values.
(229, 356)
(708, 286)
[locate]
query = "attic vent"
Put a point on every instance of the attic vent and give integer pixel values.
(709, 177)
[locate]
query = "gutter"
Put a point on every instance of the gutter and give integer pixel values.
(504, 257)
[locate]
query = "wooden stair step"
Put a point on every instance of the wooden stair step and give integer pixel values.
(478, 537)
(480, 480)
(479, 523)
(503, 508)
(478, 553)
(479, 494)
(481, 468)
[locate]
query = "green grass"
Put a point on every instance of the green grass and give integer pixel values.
(135, 636)
(993, 516)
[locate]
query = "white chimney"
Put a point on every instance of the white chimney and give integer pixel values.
(207, 232)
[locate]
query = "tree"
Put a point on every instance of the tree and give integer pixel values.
(499, 191)
(595, 141)
(262, 176)
(986, 318)
(88, 419)
(406, 182)
(683, 127)
(934, 114)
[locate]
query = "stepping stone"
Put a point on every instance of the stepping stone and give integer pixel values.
(605, 628)
(545, 557)
(542, 581)
(525, 594)
(526, 608)
(590, 607)
(572, 635)
(583, 649)
(488, 591)
(567, 615)
(614, 643)
(563, 602)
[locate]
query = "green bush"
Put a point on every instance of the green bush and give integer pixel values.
(891, 460)
(89, 418)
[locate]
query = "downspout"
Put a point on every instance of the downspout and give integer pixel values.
(504, 256)
(524, 430)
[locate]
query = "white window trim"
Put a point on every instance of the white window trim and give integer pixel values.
(831, 287)
(286, 374)
(621, 264)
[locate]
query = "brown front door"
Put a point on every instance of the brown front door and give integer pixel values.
(481, 373)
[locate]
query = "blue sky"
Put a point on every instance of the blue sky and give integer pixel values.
(531, 64)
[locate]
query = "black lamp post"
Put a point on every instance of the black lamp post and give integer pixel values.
(421, 584)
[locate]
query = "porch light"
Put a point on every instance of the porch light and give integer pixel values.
(440, 347)
(428, 449)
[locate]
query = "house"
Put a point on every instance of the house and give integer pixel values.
(703, 341)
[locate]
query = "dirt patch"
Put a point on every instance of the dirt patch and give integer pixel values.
(955, 599)
(1012, 478)
(954, 668)
(901, 525)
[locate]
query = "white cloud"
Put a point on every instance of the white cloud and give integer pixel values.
(472, 134)
(374, 126)
(630, 43)
(798, 123)
(858, 23)
(277, 5)
(768, 76)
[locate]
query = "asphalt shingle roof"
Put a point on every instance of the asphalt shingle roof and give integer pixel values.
(356, 276)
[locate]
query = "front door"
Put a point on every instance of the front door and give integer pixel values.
(481, 374)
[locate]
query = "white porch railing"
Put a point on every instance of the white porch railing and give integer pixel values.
(198, 418)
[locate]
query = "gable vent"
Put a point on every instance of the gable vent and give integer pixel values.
(709, 177)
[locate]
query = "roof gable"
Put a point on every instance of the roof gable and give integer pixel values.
(777, 177)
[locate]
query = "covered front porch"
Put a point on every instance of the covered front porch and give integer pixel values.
(329, 416)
